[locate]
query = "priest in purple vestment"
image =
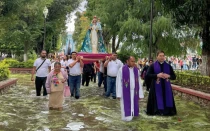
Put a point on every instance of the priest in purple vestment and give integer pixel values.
(129, 89)
(161, 99)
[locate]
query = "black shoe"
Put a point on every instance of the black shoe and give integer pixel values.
(77, 97)
(72, 95)
(113, 97)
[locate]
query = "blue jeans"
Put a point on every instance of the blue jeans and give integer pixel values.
(100, 78)
(74, 83)
(111, 86)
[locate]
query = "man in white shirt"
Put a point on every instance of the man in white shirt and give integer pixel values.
(75, 65)
(42, 67)
(129, 89)
(113, 65)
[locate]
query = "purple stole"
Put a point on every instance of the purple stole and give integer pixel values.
(126, 91)
(158, 87)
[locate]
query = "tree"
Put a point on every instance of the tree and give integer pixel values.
(128, 23)
(25, 25)
(82, 24)
(22, 24)
(193, 13)
(56, 21)
(110, 14)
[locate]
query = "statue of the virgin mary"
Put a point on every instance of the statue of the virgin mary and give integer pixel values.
(93, 41)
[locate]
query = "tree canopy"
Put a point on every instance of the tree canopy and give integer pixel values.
(22, 24)
(128, 27)
(193, 14)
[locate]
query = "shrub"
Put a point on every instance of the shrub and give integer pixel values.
(191, 72)
(29, 63)
(13, 63)
(4, 71)
(192, 80)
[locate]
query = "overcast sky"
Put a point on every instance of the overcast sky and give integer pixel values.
(70, 24)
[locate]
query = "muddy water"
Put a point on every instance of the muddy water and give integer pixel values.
(21, 110)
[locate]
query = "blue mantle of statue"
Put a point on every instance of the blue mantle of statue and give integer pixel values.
(87, 43)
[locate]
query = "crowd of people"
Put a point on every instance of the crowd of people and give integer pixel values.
(121, 81)
(188, 63)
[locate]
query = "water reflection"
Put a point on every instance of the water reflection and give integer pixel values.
(20, 109)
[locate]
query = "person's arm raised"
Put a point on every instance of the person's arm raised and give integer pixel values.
(107, 62)
(73, 63)
(81, 63)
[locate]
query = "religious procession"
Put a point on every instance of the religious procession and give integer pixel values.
(115, 68)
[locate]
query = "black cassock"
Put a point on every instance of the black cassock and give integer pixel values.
(152, 108)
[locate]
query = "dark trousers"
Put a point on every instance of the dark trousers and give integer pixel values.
(39, 82)
(68, 80)
(105, 83)
(100, 78)
(93, 77)
(86, 78)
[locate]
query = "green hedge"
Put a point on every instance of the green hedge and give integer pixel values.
(13, 63)
(192, 80)
(4, 71)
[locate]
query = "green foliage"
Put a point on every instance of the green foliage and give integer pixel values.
(192, 79)
(81, 26)
(22, 24)
(4, 71)
(129, 23)
(29, 63)
(193, 14)
(189, 72)
(13, 63)
(124, 55)
(32, 55)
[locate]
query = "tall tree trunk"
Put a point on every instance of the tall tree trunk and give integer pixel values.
(154, 48)
(205, 66)
(113, 43)
(118, 44)
(25, 57)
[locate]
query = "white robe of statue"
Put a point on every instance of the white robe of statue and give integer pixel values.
(119, 92)
(94, 39)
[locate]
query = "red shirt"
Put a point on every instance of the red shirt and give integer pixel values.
(97, 64)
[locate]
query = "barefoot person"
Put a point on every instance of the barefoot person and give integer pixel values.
(55, 84)
(161, 99)
(129, 89)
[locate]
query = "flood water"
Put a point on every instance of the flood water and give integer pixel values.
(21, 110)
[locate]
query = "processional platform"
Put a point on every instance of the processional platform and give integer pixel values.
(92, 57)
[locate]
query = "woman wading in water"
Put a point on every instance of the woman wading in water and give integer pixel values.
(55, 85)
